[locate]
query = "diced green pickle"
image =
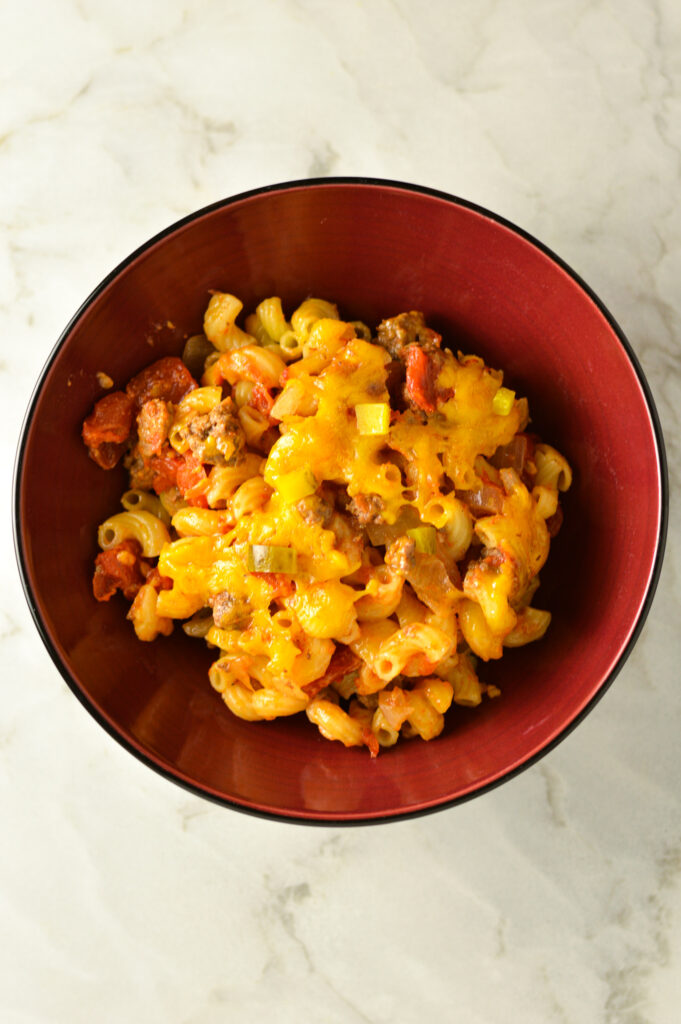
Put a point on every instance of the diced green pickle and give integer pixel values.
(272, 558)
(295, 485)
(424, 538)
(196, 351)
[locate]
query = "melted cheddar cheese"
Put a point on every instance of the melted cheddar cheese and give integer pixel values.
(321, 458)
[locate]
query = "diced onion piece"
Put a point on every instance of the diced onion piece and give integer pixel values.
(373, 417)
(502, 403)
(424, 538)
(295, 485)
(485, 500)
(272, 558)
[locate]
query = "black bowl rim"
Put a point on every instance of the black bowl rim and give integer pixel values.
(378, 818)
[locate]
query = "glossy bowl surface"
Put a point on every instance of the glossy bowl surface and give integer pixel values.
(376, 248)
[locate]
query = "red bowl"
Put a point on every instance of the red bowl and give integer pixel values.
(376, 248)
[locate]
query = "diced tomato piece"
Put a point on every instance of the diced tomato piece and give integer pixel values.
(165, 468)
(196, 498)
(343, 661)
(119, 568)
(107, 428)
(190, 472)
(110, 420)
(420, 382)
(261, 398)
(167, 379)
(107, 455)
(313, 688)
(192, 480)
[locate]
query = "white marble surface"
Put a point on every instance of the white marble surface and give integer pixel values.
(556, 898)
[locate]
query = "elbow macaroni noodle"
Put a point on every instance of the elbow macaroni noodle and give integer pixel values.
(351, 567)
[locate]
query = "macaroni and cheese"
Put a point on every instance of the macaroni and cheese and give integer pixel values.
(351, 521)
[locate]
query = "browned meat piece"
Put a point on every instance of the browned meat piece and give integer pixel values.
(366, 508)
(400, 555)
(141, 473)
(315, 509)
(229, 610)
(155, 472)
(153, 423)
(397, 333)
(216, 437)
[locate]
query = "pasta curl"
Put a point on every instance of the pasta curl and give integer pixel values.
(349, 521)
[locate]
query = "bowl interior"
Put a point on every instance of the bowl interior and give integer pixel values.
(376, 251)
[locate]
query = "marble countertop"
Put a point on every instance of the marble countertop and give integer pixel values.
(555, 898)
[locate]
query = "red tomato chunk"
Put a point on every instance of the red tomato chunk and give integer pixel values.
(421, 373)
(107, 428)
(119, 568)
(167, 379)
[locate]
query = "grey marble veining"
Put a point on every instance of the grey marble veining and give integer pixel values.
(555, 899)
